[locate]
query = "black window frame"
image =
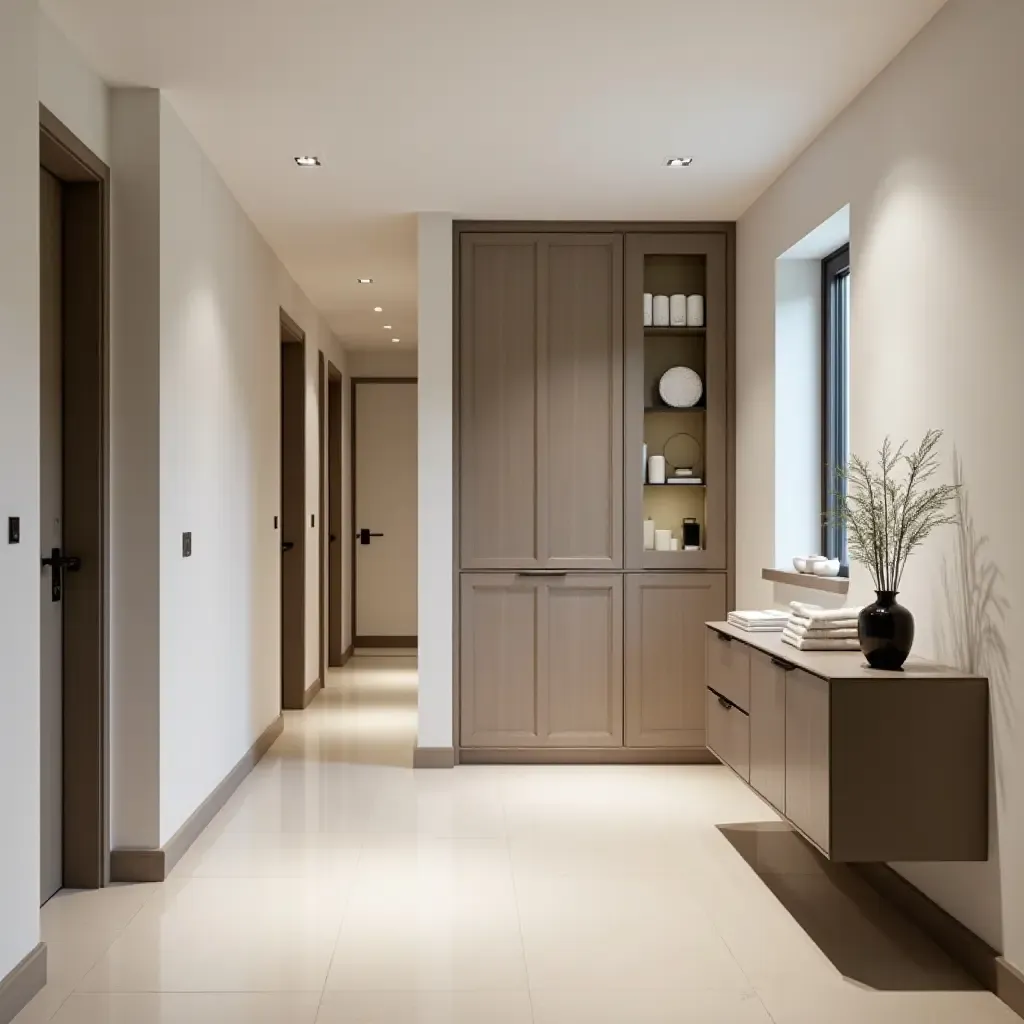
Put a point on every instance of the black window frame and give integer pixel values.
(835, 412)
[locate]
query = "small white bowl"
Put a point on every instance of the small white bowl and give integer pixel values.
(827, 567)
(812, 561)
(800, 564)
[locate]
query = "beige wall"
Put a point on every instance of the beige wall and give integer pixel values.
(929, 158)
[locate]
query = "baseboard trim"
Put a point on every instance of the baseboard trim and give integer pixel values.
(311, 691)
(346, 656)
(972, 952)
(398, 642)
(141, 865)
(20, 986)
(585, 755)
(433, 757)
(1010, 985)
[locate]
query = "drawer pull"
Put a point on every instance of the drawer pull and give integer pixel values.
(784, 665)
(725, 639)
(541, 573)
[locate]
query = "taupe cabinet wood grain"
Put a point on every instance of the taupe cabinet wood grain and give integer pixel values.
(767, 728)
(869, 766)
(541, 401)
(807, 756)
(541, 660)
(665, 665)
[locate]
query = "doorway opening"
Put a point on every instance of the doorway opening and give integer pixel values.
(293, 517)
(384, 482)
(337, 654)
(73, 345)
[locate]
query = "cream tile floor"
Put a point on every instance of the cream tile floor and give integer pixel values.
(338, 886)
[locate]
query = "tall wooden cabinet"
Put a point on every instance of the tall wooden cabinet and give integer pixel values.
(574, 641)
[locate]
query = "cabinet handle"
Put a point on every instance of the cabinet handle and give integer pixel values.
(784, 665)
(542, 572)
(725, 639)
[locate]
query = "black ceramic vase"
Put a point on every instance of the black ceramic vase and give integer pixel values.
(886, 632)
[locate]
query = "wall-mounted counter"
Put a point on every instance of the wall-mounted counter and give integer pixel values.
(867, 765)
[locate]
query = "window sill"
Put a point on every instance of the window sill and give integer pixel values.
(829, 584)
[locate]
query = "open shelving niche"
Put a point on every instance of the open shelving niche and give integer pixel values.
(664, 347)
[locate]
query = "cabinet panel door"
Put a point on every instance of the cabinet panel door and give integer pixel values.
(582, 662)
(498, 402)
(580, 401)
(768, 729)
(807, 756)
(500, 661)
(665, 667)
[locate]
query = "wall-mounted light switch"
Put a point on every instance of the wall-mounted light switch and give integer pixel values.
(186, 545)
(14, 530)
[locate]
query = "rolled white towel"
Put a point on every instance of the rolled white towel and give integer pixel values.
(817, 614)
(804, 644)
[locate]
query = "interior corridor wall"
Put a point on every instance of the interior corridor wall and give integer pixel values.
(19, 484)
(221, 288)
(929, 158)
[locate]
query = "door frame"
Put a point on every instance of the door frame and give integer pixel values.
(398, 642)
(294, 695)
(321, 398)
(334, 517)
(85, 343)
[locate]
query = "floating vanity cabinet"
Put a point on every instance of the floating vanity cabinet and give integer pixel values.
(869, 766)
(541, 660)
(665, 673)
(541, 401)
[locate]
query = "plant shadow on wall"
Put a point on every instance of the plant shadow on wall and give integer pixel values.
(975, 612)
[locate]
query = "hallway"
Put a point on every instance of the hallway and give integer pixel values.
(337, 886)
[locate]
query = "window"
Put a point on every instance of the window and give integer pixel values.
(835, 435)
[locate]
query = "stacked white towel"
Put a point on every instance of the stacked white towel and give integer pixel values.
(811, 628)
(769, 621)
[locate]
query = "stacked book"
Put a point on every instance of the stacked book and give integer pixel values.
(811, 628)
(759, 622)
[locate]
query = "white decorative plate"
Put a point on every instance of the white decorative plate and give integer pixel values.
(680, 387)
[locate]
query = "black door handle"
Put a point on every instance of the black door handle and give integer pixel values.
(364, 535)
(333, 538)
(287, 545)
(59, 564)
(725, 704)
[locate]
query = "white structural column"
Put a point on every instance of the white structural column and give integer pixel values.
(435, 485)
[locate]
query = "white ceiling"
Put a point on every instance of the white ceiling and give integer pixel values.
(486, 109)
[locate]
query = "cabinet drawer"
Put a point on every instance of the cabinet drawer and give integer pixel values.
(728, 668)
(728, 730)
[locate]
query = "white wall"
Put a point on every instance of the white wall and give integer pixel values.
(71, 90)
(135, 469)
(221, 288)
(436, 511)
(19, 484)
(929, 159)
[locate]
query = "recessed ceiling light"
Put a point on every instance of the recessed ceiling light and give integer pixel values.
(679, 161)
(308, 161)
(366, 280)
(378, 309)
(395, 341)
(387, 327)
